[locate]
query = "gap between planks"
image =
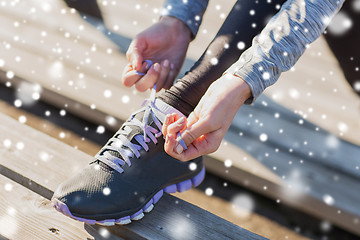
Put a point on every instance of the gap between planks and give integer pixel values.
(161, 223)
(221, 208)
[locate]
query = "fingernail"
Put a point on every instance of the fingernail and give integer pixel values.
(156, 67)
(181, 120)
(172, 66)
(179, 149)
(146, 65)
(166, 63)
(166, 122)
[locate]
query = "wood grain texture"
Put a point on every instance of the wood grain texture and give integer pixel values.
(26, 215)
(224, 209)
(303, 91)
(48, 162)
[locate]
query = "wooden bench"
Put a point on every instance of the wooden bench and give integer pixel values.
(58, 58)
(33, 164)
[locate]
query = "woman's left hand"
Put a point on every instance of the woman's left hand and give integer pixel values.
(206, 126)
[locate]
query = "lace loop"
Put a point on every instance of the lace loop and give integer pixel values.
(126, 149)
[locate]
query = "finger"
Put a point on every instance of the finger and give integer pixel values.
(165, 68)
(128, 68)
(170, 118)
(171, 77)
(131, 76)
(134, 53)
(190, 134)
(192, 119)
(178, 125)
(149, 79)
(144, 67)
(170, 148)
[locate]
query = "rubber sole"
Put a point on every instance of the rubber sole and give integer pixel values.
(179, 187)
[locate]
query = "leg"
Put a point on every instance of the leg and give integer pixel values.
(88, 7)
(132, 171)
(344, 46)
(233, 38)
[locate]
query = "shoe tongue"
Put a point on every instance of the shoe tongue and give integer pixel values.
(134, 130)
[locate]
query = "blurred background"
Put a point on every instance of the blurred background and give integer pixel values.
(289, 167)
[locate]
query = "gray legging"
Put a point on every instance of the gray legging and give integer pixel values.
(238, 27)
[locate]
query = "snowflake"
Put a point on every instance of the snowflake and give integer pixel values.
(8, 187)
(106, 191)
(209, 191)
(243, 205)
(356, 5)
(22, 119)
(266, 76)
(44, 156)
(100, 129)
(125, 99)
(62, 112)
(263, 137)
(181, 227)
(228, 163)
(110, 120)
(7, 143)
(340, 24)
(192, 166)
(10, 74)
(328, 199)
(107, 93)
(20, 146)
(241, 45)
(343, 127)
(104, 233)
(214, 61)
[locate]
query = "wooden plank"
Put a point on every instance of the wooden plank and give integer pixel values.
(242, 217)
(291, 133)
(305, 185)
(93, 95)
(51, 162)
(26, 215)
(315, 92)
(321, 108)
(123, 18)
(318, 91)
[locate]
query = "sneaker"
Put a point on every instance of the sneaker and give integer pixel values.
(129, 174)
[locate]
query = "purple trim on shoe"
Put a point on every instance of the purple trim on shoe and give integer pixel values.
(198, 178)
(157, 196)
(171, 189)
(183, 186)
(148, 204)
(180, 187)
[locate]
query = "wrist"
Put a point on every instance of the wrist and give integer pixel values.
(178, 26)
(241, 89)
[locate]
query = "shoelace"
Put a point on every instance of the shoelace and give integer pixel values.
(126, 149)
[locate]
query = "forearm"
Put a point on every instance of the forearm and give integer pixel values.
(190, 12)
(281, 43)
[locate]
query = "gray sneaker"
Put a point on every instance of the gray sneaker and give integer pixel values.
(129, 174)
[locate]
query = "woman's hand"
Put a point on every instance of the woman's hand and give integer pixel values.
(206, 126)
(165, 44)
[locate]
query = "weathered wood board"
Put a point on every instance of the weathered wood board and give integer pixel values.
(47, 162)
(58, 58)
